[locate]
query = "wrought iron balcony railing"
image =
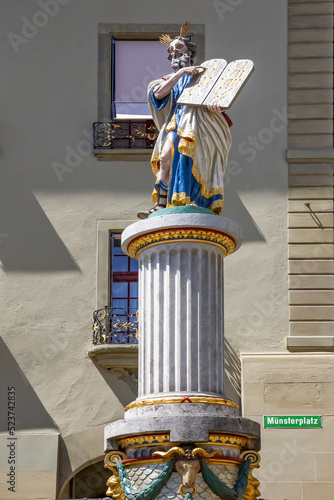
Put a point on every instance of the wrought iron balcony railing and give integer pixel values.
(115, 325)
(125, 134)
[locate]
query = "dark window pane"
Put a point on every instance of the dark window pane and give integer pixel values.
(120, 290)
(120, 263)
(133, 265)
(117, 245)
(118, 251)
(124, 277)
(133, 305)
(121, 303)
(133, 289)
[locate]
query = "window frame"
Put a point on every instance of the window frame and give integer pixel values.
(107, 32)
(127, 276)
(135, 80)
(103, 275)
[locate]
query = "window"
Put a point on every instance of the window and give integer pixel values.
(118, 322)
(130, 56)
(135, 63)
(115, 320)
(123, 278)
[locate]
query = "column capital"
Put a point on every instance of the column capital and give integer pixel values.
(178, 224)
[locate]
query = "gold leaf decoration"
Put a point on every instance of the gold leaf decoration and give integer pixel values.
(165, 39)
(114, 484)
(252, 492)
(185, 29)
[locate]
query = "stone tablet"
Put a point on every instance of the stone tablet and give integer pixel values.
(218, 83)
(199, 86)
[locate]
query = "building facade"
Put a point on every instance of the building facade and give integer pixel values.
(69, 189)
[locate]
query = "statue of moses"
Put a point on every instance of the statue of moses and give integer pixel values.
(190, 154)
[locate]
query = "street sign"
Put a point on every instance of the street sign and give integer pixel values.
(292, 421)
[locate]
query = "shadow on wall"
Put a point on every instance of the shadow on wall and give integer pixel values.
(232, 374)
(29, 411)
(28, 241)
(234, 209)
(90, 481)
(121, 385)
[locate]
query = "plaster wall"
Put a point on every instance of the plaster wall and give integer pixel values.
(36, 467)
(295, 463)
(48, 223)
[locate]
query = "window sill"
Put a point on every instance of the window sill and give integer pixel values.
(123, 154)
(110, 356)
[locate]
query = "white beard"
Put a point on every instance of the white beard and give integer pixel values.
(181, 62)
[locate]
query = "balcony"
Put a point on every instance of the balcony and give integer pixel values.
(115, 325)
(124, 139)
(115, 343)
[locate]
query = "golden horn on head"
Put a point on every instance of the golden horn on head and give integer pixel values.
(184, 29)
(165, 39)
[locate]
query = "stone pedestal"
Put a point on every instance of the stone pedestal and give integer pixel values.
(181, 407)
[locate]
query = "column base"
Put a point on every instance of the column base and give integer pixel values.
(183, 422)
(199, 445)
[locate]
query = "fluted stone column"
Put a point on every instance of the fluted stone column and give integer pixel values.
(181, 304)
(181, 410)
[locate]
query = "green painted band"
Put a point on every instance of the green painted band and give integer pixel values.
(190, 209)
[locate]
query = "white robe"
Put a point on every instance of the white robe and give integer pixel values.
(204, 137)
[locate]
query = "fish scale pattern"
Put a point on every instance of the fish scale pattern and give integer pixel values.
(142, 476)
(228, 474)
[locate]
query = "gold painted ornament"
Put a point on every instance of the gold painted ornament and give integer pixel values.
(252, 492)
(166, 39)
(114, 485)
(182, 399)
(223, 241)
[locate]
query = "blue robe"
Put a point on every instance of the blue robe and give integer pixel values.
(200, 142)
